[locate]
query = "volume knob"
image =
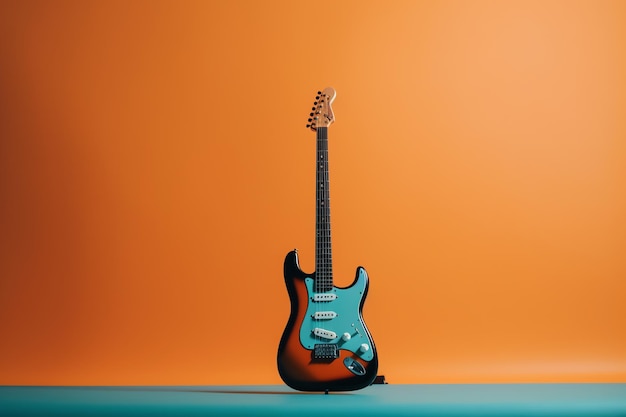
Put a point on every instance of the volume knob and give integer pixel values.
(364, 348)
(346, 336)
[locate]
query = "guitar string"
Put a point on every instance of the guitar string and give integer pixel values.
(329, 259)
(317, 223)
(318, 237)
(324, 243)
(323, 246)
(325, 212)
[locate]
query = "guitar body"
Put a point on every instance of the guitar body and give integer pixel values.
(326, 345)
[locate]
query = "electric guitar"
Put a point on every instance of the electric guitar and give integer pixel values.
(326, 345)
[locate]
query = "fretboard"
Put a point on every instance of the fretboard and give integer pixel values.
(323, 249)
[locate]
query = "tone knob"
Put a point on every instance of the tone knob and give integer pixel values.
(364, 347)
(346, 336)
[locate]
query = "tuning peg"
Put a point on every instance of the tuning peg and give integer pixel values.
(319, 92)
(313, 108)
(310, 120)
(312, 114)
(308, 126)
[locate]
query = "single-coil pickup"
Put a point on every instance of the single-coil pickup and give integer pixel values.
(324, 315)
(324, 334)
(324, 297)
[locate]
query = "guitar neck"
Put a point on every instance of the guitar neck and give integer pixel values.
(323, 248)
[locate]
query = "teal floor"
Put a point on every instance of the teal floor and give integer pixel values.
(277, 400)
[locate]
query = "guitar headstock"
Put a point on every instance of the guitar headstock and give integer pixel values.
(322, 114)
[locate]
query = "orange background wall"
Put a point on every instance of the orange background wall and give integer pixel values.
(155, 169)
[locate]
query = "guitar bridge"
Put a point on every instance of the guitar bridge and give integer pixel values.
(325, 351)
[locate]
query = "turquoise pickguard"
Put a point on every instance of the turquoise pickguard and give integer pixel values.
(348, 319)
